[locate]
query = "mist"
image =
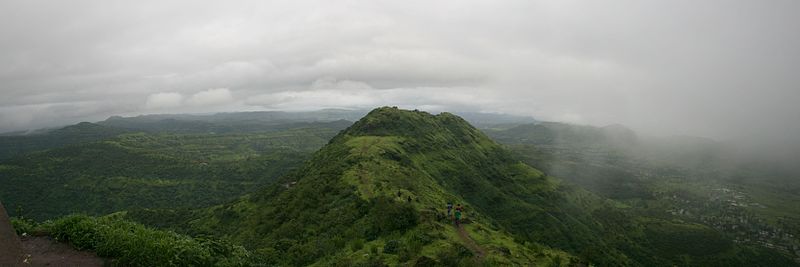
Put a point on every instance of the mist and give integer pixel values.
(719, 69)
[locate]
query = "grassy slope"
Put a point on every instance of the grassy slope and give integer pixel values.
(371, 170)
(351, 199)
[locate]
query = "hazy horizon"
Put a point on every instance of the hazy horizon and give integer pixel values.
(717, 69)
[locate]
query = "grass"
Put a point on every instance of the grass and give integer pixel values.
(133, 244)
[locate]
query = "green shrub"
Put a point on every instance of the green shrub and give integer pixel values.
(455, 255)
(389, 215)
(133, 244)
(23, 225)
(358, 244)
(556, 261)
(391, 247)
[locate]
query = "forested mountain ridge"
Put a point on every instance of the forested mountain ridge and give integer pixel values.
(18, 143)
(384, 183)
(259, 120)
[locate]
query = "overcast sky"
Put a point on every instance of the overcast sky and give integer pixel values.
(723, 69)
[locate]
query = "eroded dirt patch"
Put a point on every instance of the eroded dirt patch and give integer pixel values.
(44, 251)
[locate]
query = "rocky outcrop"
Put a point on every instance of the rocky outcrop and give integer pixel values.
(10, 245)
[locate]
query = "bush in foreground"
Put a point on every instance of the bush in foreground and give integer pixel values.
(133, 244)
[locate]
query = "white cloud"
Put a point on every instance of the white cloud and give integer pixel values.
(163, 101)
(323, 93)
(330, 83)
(211, 97)
(332, 93)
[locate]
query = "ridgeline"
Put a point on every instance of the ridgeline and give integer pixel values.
(377, 193)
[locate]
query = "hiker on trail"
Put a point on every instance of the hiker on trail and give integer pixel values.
(449, 209)
(459, 209)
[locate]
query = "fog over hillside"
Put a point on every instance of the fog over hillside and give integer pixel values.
(720, 69)
(401, 133)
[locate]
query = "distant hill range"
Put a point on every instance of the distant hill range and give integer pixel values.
(14, 145)
(268, 120)
(241, 122)
(17, 143)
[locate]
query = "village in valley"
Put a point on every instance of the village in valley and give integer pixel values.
(730, 211)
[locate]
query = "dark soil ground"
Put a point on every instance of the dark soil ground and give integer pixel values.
(44, 251)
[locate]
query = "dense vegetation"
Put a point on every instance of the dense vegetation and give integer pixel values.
(139, 170)
(379, 188)
(14, 145)
(374, 194)
(132, 244)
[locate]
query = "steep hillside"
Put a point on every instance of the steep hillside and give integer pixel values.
(377, 193)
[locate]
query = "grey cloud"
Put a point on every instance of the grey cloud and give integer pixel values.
(160, 101)
(724, 69)
(211, 97)
(329, 92)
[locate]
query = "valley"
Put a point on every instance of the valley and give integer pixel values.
(322, 191)
(687, 184)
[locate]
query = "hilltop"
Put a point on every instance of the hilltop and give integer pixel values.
(379, 188)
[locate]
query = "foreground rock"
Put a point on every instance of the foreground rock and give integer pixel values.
(10, 245)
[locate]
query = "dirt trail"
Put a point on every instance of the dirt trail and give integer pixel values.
(471, 245)
(362, 174)
(44, 251)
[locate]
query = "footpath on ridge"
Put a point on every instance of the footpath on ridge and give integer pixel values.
(469, 243)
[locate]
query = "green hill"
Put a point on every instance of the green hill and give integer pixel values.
(350, 203)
